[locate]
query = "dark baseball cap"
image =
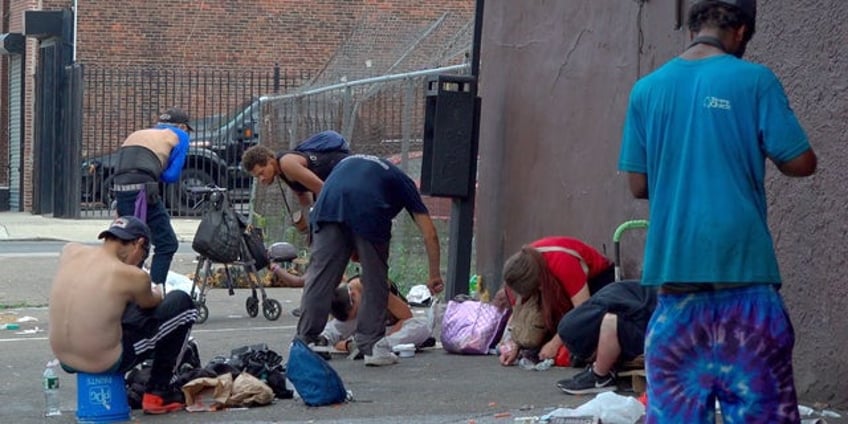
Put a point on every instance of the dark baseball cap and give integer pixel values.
(175, 116)
(127, 228)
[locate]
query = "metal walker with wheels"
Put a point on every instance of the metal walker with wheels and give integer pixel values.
(635, 369)
(635, 224)
(271, 308)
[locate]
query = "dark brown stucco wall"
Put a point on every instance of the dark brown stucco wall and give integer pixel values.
(555, 77)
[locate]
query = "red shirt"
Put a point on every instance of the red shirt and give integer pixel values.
(566, 268)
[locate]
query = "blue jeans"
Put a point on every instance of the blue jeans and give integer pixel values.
(164, 238)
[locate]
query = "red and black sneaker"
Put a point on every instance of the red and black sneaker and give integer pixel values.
(162, 401)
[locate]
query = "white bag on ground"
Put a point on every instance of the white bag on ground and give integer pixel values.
(413, 331)
(610, 407)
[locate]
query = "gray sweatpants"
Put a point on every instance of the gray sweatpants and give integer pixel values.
(332, 245)
(414, 330)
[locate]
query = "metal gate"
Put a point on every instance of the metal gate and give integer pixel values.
(225, 113)
(15, 132)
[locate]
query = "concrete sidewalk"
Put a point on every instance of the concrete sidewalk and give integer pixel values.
(26, 226)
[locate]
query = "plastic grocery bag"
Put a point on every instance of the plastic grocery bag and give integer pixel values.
(610, 407)
(472, 327)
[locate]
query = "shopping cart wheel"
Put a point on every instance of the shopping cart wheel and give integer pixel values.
(271, 308)
(252, 306)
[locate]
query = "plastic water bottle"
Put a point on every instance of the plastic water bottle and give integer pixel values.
(473, 286)
(51, 389)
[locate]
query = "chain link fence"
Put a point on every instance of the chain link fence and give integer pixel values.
(382, 116)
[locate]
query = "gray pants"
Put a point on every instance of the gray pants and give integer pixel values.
(414, 330)
(332, 245)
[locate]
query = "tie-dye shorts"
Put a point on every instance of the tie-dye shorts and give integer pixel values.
(732, 345)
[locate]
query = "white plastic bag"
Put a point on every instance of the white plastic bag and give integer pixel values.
(435, 313)
(176, 281)
(418, 295)
(610, 407)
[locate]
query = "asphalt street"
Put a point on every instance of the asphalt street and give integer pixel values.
(431, 387)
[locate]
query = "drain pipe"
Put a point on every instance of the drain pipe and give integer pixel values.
(76, 15)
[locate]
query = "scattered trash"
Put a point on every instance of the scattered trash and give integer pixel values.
(419, 295)
(805, 411)
(528, 364)
(406, 350)
(27, 319)
(608, 407)
(30, 331)
(813, 414)
(831, 414)
(11, 326)
(575, 420)
(526, 419)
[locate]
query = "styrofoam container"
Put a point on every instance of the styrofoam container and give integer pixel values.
(405, 350)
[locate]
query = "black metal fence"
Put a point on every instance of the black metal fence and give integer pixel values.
(225, 109)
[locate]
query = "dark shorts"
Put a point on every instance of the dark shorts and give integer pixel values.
(730, 345)
(633, 305)
(601, 280)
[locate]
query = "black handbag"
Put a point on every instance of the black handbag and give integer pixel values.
(219, 233)
(255, 241)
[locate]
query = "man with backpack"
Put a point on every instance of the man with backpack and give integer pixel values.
(303, 169)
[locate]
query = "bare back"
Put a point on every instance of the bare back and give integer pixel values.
(160, 141)
(88, 296)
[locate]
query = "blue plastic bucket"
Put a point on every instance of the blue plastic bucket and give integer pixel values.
(101, 398)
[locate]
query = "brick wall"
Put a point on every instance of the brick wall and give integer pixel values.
(234, 35)
(331, 40)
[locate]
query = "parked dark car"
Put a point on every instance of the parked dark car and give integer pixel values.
(214, 157)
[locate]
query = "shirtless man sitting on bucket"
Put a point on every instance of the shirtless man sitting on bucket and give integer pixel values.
(106, 317)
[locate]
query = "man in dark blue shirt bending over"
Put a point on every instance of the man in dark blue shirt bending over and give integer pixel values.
(353, 218)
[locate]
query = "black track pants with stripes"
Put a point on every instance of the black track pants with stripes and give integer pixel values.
(160, 333)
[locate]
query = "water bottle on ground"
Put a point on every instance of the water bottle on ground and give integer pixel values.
(50, 382)
(472, 286)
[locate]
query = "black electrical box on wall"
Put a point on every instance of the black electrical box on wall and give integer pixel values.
(448, 136)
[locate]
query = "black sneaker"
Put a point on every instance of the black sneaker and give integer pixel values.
(430, 342)
(321, 346)
(587, 382)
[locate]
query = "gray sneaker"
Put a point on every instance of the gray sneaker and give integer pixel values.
(381, 355)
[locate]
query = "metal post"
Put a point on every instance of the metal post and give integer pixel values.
(462, 209)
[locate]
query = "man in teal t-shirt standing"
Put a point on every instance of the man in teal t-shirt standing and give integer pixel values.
(696, 136)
